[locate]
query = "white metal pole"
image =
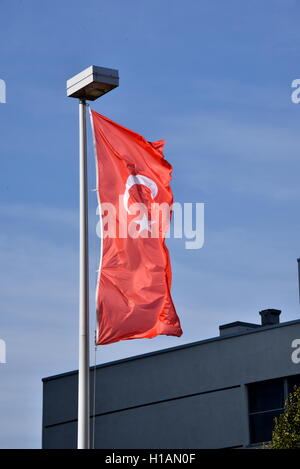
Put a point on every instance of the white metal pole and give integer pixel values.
(83, 377)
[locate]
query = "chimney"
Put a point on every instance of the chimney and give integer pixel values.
(270, 317)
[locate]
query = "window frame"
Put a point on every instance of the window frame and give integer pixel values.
(286, 392)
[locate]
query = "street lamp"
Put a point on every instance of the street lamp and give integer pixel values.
(90, 84)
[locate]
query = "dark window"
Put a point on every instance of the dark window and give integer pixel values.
(292, 382)
(266, 401)
(267, 395)
(262, 425)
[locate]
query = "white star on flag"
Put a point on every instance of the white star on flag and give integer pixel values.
(144, 223)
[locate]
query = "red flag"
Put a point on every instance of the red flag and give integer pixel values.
(133, 292)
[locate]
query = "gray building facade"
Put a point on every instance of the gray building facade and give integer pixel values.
(217, 393)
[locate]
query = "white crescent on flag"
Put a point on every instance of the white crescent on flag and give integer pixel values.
(138, 179)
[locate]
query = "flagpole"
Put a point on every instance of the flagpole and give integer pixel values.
(90, 84)
(83, 437)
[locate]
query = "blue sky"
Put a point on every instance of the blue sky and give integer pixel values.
(214, 79)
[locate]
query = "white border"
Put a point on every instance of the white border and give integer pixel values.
(101, 222)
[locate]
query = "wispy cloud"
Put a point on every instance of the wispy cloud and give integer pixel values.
(236, 154)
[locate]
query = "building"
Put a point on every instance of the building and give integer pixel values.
(217, 393)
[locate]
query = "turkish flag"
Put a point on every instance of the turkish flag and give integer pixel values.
(133, 291)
